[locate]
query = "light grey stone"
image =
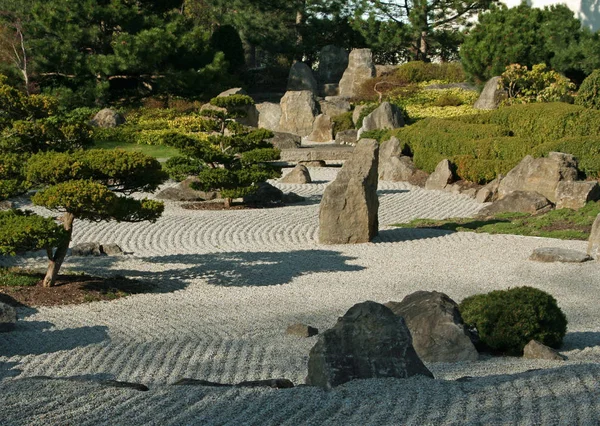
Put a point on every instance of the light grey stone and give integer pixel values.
(441, 177)
(299, 175)
(593, 248)
(301, 330)
(537, 350)
(282, 140)
(111, 249)
(346, 137)
(298, 112)
(322, 129)
(360, 69)
(555, 254)
(518, 202)
(541, 175)
(86, 249)
(369, 341)
(574, 195)
(436, 326)
(269, 115)
(491, 96)
(107, 118)
(349, 207)
(356, 113)
(334, 106)
(489, 192)
(386, 116)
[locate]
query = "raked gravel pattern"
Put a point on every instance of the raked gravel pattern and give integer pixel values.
(230, 282)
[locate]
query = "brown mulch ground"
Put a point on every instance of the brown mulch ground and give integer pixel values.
(72, 289)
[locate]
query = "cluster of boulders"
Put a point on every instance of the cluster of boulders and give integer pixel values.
(96, 249)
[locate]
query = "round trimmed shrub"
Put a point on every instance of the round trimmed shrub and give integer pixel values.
(507, 320)
(589, 91)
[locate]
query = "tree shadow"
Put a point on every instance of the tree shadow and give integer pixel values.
(581, 340)
(242, 269)
(33, 338)
(7, 369)
(399, 235)
(391, 191)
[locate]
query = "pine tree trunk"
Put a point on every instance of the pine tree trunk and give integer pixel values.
(58, 258)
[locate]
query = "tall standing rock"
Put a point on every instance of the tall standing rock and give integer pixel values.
(301, 78)
(369, 341)
(322, 129)
(269, 116)
(348, 211)
(436, 327)
(360, 69)
(298, 112)
(386, 116)
(491, 96)
(594, 240)
(333, 61)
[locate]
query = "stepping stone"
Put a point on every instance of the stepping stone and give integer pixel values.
(555, 254)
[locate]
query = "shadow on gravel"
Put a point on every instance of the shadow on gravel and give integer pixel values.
(241, 269)
(581, 340)
(398, 235)
(34, 338)
(7, 369)
(391, 191)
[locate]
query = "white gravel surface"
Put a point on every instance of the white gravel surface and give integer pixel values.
(230, 282)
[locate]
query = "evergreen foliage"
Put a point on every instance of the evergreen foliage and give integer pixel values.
(589, 91)
(507, 320)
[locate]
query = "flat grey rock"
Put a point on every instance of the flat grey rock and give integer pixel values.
(555, 254)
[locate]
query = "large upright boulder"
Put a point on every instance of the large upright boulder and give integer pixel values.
(269, 115)
(301, 78)
(518, 202)
(322, 129)
(593, 248)
(298, 112)
(360, 69)
(540, 175)
(574, 195)
(436, 326)
(348, 211)
(491, 96)
(333, 61)
(334, 105)
(299, 176)
(386, 116)
(369, 341)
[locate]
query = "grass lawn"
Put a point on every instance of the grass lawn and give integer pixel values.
(565, 224)
(156, 151)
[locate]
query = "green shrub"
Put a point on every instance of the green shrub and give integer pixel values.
(12, 180)
(22, 231)
(448, 99)
(417, 72)
(342, 122)
(179, 168)
(589, 91)
(539, 84)
(12, 277)
(508, 319)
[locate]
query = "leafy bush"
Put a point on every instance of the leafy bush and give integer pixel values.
(589, 91)
(12, 180)
(417, 72)
(179, 167)
(342, 122)
(508, 319)
(22, 231)
(539, 84)
(448, 99)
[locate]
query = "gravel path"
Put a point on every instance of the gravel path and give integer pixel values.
(229, 283)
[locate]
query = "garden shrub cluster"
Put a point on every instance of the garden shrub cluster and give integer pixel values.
(507, 320)
(540, 84)
(483, 145)
(589, 91)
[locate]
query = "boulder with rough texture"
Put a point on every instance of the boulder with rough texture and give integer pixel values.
(6, 205)
(369, 341)
(111, 249)
(232, 91)
(555, 254)
(107, 118)
(518, 202)
(436, 327)
(8, 317)
(441, 177)
(322, 129)
(269, 115)
(86, 249)
(266, 193)
(574, 195)
(463, 187)
(393, 166)
(386, 116)
(329, 89)
(349, 207)
(298, 112)
(298, 175)
(334, 105)
(184, 192)
(360, 69)
(301, 78)
(541, 175)
(593, 248)
(301, 330)
(282, 140)
(314, 163)
(356, 113)
(333, 61)
(489, 192)
(346, 137)
(537, 350)
(491, 96)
